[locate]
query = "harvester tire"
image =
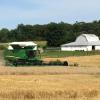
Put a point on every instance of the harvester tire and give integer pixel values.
(65, 63)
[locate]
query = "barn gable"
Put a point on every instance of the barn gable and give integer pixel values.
(87, 38)
(81, 39)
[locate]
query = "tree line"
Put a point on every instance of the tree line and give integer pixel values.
(54, 33)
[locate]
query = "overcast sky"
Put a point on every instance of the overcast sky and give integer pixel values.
(14, 12)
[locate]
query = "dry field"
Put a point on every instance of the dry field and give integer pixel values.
(52, 83)
(83, 61)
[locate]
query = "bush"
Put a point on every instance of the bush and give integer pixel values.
(2, 46)
(55, 62)
(76, 64)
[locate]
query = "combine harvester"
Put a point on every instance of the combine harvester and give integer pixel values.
(26, 53)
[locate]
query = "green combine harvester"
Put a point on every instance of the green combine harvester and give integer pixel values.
(26, 53)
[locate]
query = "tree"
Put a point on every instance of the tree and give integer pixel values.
(4, 35)
(56, 38)
(54, 33)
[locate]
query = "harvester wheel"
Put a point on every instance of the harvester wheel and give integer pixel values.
(65, 63)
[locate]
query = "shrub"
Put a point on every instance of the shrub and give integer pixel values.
(57, 62)
(76, 64)
(2, 47)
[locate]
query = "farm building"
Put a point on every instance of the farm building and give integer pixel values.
(85, 42)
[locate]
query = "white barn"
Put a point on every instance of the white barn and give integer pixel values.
(84, 42)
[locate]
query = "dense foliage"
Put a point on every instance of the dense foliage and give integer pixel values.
(54, 33)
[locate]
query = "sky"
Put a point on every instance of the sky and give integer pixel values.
(14, 12)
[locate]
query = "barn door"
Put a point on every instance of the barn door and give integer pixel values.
(93, 47)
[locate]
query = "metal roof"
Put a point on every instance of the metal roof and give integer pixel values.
(90, 37)
(81, 44)
(23, 44)
(30, 43)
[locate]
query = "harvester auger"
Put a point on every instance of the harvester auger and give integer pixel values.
(26, 53)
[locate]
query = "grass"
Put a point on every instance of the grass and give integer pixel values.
(59, 54)
(49, 83)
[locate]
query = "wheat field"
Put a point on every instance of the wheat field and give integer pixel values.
(52, 83)
(49, 87)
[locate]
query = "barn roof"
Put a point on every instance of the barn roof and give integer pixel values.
(81, 44)
(91, 39)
